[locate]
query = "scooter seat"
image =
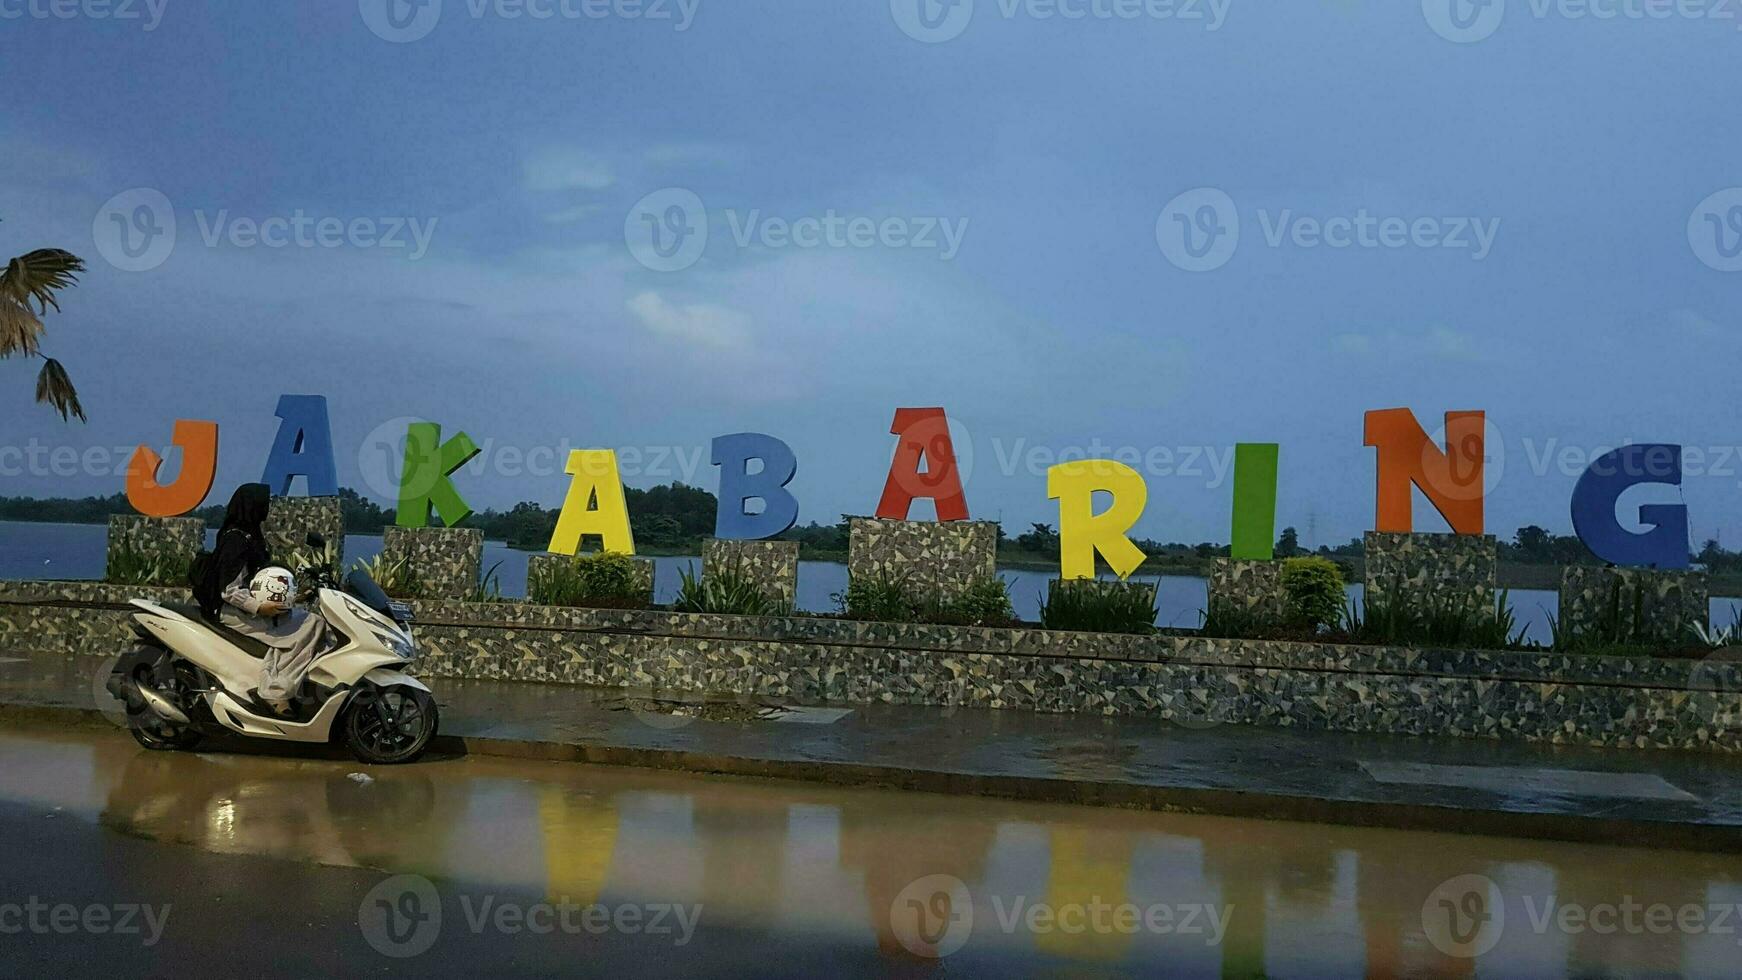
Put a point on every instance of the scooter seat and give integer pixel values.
(241, 641)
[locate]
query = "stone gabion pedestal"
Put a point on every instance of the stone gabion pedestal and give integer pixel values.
(773, 565)
(291, 519)
(1459, 568)
(1650, 604)
(939, 558)
(643, 570)
(445, 560)
(172, 539)
(1248, 586)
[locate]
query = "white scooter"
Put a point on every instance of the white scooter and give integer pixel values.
(189, 677)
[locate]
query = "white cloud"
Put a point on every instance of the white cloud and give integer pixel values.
(696, 323)
(567, 169)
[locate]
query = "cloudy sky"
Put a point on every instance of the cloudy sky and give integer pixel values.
(644, 224)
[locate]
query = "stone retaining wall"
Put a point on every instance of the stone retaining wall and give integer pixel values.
(1610, 701)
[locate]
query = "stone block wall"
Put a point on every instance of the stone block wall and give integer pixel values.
(644, 568)
(773, 565)
(940, 558)
(1451, 567)
(290, 520)
(1653, 605)
(1623, 702)
(1247, 586)
(171, 539)
(446, 561)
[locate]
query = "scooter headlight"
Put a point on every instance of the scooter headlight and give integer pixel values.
(399, 643)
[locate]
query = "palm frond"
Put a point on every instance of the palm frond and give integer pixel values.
(19, 328)
(54, 388)
(36, 275)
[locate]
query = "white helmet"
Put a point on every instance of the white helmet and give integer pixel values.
(273, 585)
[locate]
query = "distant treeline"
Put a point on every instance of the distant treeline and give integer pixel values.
(675, 518)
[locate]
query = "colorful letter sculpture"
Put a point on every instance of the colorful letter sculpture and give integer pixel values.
(924, 434)
(1082, 532)
(739, 486)
(1255, 501)
(595, 505)
(426, 481)
(1451, 480)
(304, 447)
(1665, 546)
(199, 467)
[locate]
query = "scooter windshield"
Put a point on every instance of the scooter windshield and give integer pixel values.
(360, 585)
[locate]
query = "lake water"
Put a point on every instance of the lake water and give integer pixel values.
(76, 551)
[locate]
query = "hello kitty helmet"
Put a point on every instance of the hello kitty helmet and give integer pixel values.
(273, 585)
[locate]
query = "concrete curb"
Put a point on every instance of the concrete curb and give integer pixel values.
(1668, 835)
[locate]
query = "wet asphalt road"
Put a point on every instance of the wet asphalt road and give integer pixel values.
(293, 863)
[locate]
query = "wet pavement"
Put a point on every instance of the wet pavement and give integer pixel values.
(1653, 798)
(287, 864)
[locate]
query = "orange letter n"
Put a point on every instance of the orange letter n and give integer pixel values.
(1451, 480)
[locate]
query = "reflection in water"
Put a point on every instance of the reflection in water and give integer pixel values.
(823, 862)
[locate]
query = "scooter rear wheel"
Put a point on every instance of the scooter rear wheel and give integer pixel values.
(153, 732)
(390, 725)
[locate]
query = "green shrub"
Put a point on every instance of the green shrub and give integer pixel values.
(728, 590)
(128, 566)
(887, 597)
(1315, 594)
(985, 602)
(1232, 621)
(1090, 607)
(396, 576)
(315, 568)
(606, 580)
(882, 598)
(1405, 617)
(489, 588)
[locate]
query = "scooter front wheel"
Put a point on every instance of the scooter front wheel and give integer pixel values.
(390, 725)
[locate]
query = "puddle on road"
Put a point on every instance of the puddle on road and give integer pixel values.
(1292, 898)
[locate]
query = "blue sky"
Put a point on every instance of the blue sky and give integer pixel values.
(1053, 147)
